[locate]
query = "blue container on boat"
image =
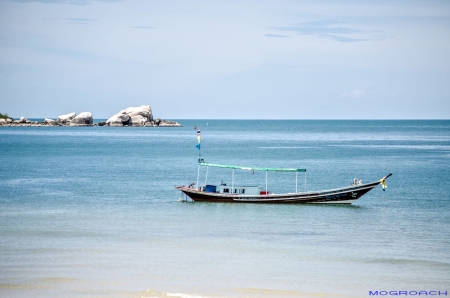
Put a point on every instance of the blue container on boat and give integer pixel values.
(210, 188)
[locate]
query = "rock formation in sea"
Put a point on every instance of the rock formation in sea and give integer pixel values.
(138, 116)
(66, 119)
(132, 116)
(83, 119)
(49, 121)
(23, 120)
(118, 120)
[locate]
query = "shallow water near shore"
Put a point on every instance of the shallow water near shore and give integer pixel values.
(92, 212)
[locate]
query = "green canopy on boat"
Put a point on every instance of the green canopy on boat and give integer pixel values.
(253, 169)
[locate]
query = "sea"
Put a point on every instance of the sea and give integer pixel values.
(92, 211)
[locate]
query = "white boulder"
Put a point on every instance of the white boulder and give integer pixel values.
(136, 116)
(118, 120)
(66, 119)
(83, 119)
(23, 120)
(144, 111)
(49, 121)
(138, 120)
(169, 123)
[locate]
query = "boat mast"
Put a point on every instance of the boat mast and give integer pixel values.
(232, 182)
(199, 153)
(305, 181)
(266, 182)
(198, 175)
(206, 179)
(199, 132)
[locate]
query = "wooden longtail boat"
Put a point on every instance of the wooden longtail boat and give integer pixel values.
(258, 194)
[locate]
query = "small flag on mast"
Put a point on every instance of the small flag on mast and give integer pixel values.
(199, 137)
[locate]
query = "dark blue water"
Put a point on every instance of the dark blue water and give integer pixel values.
(91, 211)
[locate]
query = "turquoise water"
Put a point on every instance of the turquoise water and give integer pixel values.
(91, 211)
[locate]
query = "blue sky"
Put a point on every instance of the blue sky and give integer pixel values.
(226, 59)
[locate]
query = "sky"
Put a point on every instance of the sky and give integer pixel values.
(246, 59)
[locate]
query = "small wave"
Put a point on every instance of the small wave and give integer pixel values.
(182, 295)
(288, 147)
(22, 287)
(427, 263)
(410, 147)
(156, 294)
(57, 280)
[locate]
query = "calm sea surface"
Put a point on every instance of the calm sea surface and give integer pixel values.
(92, 212)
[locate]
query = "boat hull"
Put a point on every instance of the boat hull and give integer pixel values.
(345, 195)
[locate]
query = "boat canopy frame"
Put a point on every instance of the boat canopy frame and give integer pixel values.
(295, 170)
(252, 168)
